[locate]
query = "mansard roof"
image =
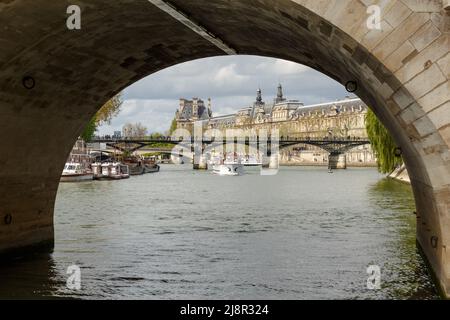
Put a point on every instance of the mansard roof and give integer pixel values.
(339, 104)
(295, 108)
(187, 111)
(298, 107)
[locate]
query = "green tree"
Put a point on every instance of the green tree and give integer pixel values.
(162, 144)
(106, 113)
(134, 130)
(89, 130)
(173, 125)
(382, 144)
(156, 135)
(109, 110)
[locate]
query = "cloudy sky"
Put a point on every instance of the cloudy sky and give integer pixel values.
(230, 81)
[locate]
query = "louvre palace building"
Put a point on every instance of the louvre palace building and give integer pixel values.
(336, 119)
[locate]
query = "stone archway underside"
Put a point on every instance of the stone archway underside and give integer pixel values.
(402, 71)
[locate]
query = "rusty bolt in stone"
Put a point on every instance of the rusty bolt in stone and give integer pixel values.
(7, 219)
(351, 86)
(28, 82)
(434, 241)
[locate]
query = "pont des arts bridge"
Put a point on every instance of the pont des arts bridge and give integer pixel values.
(54, 78)
(268, 146)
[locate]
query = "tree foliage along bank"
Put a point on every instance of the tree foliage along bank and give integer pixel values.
(382, 144)
(134, 130)
(106, 113)
(173, 125)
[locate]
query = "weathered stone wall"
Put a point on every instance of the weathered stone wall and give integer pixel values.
(400, 174)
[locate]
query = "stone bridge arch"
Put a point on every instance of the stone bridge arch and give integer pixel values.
(53, 80)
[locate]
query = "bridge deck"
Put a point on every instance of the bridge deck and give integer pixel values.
(332, 145)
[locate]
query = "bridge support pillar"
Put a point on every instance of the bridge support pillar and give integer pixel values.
(270, 161)
(274, 161)
(337, 161)
(176, 159)
(200, 162)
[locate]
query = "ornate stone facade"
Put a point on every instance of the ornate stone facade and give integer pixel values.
(190, 111)
(342, 119)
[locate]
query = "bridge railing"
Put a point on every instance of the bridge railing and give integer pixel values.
(107, 138)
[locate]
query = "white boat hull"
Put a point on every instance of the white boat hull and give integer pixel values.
(228, 169)
(251, 164)
(77, 177)
(76, 171)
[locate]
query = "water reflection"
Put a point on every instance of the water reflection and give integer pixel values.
(30, 278)
(407, 265)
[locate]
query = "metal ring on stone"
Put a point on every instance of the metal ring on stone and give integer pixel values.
(433, 242)
(28, 82)
(351, 86)
(8, 219)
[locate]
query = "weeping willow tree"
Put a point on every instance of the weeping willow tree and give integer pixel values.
(382, 144)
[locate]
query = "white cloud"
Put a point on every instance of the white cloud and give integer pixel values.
(228, 74)
(284, 67)
(155, 114)
(280, 68)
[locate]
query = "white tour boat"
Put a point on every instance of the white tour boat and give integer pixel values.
(228, 169)
(74, 172)
(78, 164)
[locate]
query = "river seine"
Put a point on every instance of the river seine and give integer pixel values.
(184, 234)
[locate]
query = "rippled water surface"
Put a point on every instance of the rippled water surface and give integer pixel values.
(179, 233)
